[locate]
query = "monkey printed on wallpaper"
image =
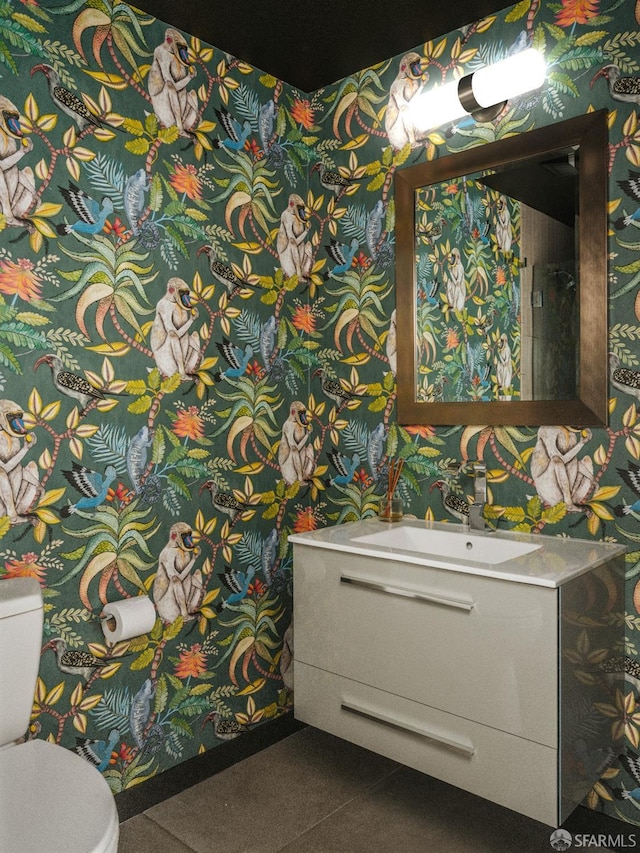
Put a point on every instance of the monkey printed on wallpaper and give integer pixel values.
(198, 353)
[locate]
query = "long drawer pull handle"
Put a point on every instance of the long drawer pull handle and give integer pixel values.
(408, 593)
(467, 749)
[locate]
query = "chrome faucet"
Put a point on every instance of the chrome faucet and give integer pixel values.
(476, 509)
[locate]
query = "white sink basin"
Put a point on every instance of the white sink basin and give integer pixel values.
(459, 544)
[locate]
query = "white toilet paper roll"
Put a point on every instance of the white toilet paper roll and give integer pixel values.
(128, 618)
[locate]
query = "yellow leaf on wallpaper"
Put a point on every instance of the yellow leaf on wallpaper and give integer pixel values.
(356, 142)
(47, 209)
(252, 468)
(113, 81)
(116, 349)
(31, 110)
(45, 460)
(84, 154)
(358, 358)
(605, 493)
(73, 167)
(106, 405)
(76, 448)
(254, 687)
(51, 497)
(633, 154)
(42, 170)
(50, 411)
(90, 702)
(76, 695)
(47, 122)
(249, 248)
(109, 671)
(35, 402)
(55, 694)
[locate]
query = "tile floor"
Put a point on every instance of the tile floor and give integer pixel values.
(315, 793)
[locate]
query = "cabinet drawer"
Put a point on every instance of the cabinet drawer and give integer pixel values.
(508, 770)
(480, 648)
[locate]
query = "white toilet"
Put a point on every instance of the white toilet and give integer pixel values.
(51, 800)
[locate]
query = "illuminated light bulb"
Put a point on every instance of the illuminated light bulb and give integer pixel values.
(487, 89)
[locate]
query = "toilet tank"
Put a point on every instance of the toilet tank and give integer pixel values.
(21, 616)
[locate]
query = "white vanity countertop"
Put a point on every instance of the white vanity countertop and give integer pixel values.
(555, 561)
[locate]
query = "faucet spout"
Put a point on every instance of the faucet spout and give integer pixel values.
(476, 509)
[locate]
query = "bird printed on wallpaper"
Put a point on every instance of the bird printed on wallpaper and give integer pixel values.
(97, 752)
(454, 505)
(456, 287)
(268, 332)
(373, 228)
(70, 384)
(333, 389)
(266, 120)
(136, 456)
(237, 359)
(68, 103)
(92, 485)
(332, 180)
(75, 661)
(345, 467)
(631, 478)
(236, 133)
(140, 712)
(341, 255)
(91, 215)
(622, 378)
(223, 273)
(391, 343)
(375, 449)
(631, 763)
(135, 188)
(631, 186)
(237, 583)
(269, 555)
(223, 501)
(618, 670)
(622, 88)
(224, 729)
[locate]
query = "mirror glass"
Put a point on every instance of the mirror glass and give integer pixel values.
(501, 275)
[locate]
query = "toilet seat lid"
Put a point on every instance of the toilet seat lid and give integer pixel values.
(54, 800)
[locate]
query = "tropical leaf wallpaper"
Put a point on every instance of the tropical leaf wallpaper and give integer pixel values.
(197, 355)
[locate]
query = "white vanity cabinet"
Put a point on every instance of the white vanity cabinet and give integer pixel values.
(463, 672)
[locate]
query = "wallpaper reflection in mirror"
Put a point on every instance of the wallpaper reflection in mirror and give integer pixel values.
(469, 293)
(497, 285)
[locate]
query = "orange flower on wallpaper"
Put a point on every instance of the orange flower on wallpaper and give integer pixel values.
(452, 339)
(27, 567)
(191, 662)
(188, 424)
(303, 113)
(185, 180)
(421, 431)
(304, 319)
(576, 12)
(305, 520)
(501, 277)
(19, 279)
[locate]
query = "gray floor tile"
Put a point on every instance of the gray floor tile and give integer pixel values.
(141, 835)
(266, 801)
(414, 813)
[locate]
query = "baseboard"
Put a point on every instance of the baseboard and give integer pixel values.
(135, 800)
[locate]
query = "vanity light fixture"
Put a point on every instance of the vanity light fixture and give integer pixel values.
(481, 94)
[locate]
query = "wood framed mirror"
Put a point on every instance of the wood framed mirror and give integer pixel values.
(456, 318)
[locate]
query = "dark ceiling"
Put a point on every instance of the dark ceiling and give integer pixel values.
(312, 43)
